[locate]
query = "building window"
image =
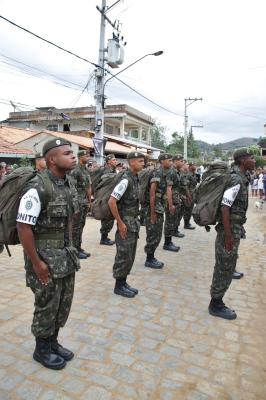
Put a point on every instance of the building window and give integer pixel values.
(52, 127)
(66, 127)
(134, 133)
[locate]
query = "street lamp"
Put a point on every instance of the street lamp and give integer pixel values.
(156, 54)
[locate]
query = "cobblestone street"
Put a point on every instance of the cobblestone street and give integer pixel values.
(162, 344)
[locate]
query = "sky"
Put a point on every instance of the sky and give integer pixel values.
(213, 49)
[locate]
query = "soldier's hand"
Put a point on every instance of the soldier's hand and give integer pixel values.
(122, 230)
(153, 218)
(228, 243)
(42, 272)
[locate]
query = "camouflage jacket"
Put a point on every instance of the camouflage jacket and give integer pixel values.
(192, 181)
(128, 205)
(163, 179)
(174, 178)
(52, 232)
(82, 182)
(240, 205)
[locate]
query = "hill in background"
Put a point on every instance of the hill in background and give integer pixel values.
(227, 146)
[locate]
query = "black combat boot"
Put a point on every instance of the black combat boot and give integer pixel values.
(105, 240)
(237, 275)
(122, 290)
(188, 225)
(169, 245)
(60, 350)
(152, 262)
(217, 308)
(178, 234)
(85, 252)
(44, 355)
(80, 253)
(134, 290)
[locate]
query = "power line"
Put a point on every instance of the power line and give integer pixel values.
(234, 111)
(86, 60)
(47, 41)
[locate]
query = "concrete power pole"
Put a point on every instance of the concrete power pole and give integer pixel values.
(99, 112)
(188, 102)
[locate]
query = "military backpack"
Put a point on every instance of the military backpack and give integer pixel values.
(209, 193)
(102, 193)
(10, 194)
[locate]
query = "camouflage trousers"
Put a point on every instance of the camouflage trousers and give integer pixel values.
(171, 222)
(78, 226)
(180, 214)
(106, 226)
(225, 262)
(125, 254)
(153, 232)
(52, 305)
(188, 212)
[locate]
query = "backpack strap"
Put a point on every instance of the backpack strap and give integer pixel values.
(48, 187)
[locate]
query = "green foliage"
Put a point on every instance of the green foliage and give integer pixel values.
(24, 162)
(262, 142)
(255, 149)
(218, 151)
(260, 161)
(158, 138)
(176, 146)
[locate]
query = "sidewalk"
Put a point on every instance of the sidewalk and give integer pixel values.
(161, 345)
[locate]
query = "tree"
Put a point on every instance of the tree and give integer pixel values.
(262, 142)
(176, 145)
(193, 149)
(158, 138)
(255, 149)
(217, 151)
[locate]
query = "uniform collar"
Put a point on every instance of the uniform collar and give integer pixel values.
(56, 180)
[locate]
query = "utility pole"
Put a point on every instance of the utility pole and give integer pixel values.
(99, 112)
(188, 102)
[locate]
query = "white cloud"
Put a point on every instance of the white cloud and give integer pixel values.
(210, 51)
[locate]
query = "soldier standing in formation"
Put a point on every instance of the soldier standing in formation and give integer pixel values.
(40, 164)
(171, 211)
(107, 225)
(191, 181)
(229, 232)
(124, 205)
(82, 182)
(44, 227)
(179, 165)
(156, 204)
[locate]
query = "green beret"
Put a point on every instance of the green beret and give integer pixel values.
(38, 155)
(83, 153)
(135, 154)
(165, 156)
(178, 157)
(109, 157)
(242, 152)
(53, 143)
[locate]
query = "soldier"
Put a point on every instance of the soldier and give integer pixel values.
(192, 181)
(124, 205)
(44, 226)
(179, 165)
(82, 181)
(156, 203)
(107, 225)
(40, 164)
(229, 232)
(171, 219)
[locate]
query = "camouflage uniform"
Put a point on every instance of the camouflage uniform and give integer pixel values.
(192, 181)
(128, 207)
(154, 231)
(107, 225)
(82, 181)
(226, 262)
(183, 193)
(170, 225)
(52, 234)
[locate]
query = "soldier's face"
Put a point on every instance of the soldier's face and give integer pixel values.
(64, 158)
(84, 159)
(137, 164)
(167, 163)
(249, 163)
(112, 162)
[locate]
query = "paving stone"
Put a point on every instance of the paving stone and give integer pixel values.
(6, 360)
(92, 353)
(122, 359)
(102, 380)
(96, 393)
(54, 395)
(125, 374)
(29, 390)
(9, 382)
(148, 343)
(72, 385)
(49, 376)
(169, 350)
